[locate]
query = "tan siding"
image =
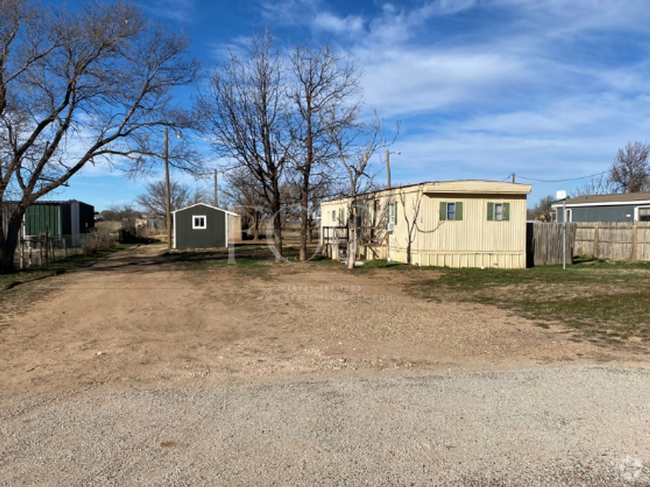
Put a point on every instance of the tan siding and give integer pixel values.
(472, 242)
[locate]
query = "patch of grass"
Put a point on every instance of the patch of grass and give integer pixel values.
(249, 260)
(380, 263)
(35, 273)
(603, 300)
(8, 281)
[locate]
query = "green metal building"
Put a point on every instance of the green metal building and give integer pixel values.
(60, 219)
(203, 226)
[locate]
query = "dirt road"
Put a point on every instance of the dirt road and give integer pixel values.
(106, 348)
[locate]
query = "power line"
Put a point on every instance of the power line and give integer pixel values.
(561, 180)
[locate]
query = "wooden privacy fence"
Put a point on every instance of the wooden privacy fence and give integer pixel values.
(615, 241)
(544, 243)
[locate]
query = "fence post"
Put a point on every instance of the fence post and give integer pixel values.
(22, 254)
(596, 227)
(47, 250)
(29, 255)
(634, 242)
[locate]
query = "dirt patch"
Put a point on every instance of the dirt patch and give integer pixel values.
(136, 320)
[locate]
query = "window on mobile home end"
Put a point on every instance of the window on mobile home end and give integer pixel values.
(392, 213)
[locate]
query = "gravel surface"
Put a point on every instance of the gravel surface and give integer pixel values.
(539, 426)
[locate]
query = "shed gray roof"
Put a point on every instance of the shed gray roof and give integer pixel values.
(617, 199)
(209, 206)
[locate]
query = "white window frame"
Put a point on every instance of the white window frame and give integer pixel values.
(498, 214)
(451, 209)
(391, 214)
(638, 212)
(196, 226)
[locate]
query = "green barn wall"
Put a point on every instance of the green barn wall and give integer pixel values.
(57, 219)
(44, 218)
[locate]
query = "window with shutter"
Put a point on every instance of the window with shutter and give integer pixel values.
(392, 213)
(498, 212)
(458, 210)
(451, 211)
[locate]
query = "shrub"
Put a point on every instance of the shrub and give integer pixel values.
(100, 240)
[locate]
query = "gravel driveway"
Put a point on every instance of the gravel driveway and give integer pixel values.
(547, 425)
(138, 371)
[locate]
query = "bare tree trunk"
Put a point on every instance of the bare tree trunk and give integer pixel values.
(352, 235)
(277, 223)
(352, 247)
(256, 226)
(9, 243)
(304, 219)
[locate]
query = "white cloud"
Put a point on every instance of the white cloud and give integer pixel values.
(290, 12)
(447, 7)
(349, 25)
(403, 83)
(178, 10)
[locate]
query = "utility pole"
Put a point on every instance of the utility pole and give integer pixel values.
(513, 177)
(387, 168)
(216, 194)
(388, 153)
(561, 195)
(167, 191)
(564, 235)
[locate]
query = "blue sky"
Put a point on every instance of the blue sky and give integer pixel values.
(546, 89)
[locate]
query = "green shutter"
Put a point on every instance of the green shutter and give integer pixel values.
(506, 212)
(459, 210)
(443, 210)
(490, 212)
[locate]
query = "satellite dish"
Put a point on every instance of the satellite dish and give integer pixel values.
(560, 195)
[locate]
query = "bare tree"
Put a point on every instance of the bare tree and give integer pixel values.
(630, 172)
(410, 219)
(542, 210)
(180, 195)
(127, 216)
(93, 86)
(599, 184)
(247, 112)
(324, 84)
(355, 145)
(245, 195)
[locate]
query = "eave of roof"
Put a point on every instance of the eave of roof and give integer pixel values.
(461, 186)
(618, 199)
(209, 206)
